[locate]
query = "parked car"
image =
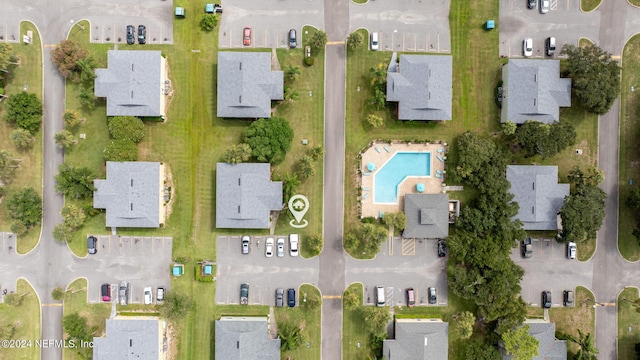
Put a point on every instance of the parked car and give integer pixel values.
(550, 46)
(527, 47)
(279, 297)
(526, 248)
(567, 298)
(105, 292)
(293, 244)
(131, 35)
(246, 242)
(269, 248)
(433, 298)
(217, 8)
(160, 295)
(411, 297)
(531, 4)
(148, 296)
(123, 292)
(544, 6)
(92, 245)
(291, 297)
(374, 41)
(572, 248)
(442, 248)
(244, 294)
(142, 34)
(246, 36)
(280, 250)
(212, 8)
(546, 299)
(292, 39)
(208, 8)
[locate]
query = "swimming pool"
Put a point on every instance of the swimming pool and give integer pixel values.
(391, 174)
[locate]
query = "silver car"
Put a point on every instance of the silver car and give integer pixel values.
(123, 292)
(280, 248)
(544, 6)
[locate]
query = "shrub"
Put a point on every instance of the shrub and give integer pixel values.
(24, 110)
(126, 128)
(309, 61)
(121, 150)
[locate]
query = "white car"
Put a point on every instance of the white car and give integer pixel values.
(269, 248)
(293, 244)
(280, 250)
(544, 6)
(527, 47)
(148, 296)
(571, 250)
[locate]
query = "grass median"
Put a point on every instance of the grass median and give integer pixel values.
(25, 321)
(628, 323)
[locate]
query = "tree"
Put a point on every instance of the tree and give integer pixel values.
(71, 118)
(354, 40)
(128, 128)
(316, 152)
(76, 182)
(480, 351)
(397, 219)
(520, 344)
(582, 214)
(593, 177)
(121, 150)
(66, 55)
(588, 350)
(86, 97)
(237, 153)
(269, 139)
(7, 56)
(473, 153)
(13, 299)
(18, 227)
(291, 336)
(79, 331)
(64, 138)
(318, 39)
(306, 167)
(546, 140)
(379, 99)
(62, 233)
(175, 306)
(24, 110)
(73, 216)
(375, 121)
(291, 95)
(22, 139)
(377, 319)
(350, 300)
(26, 207)
(350, 241)
(57, 293)
(314, 243)
(290, 184)
(86, 69)
(378, 76)
(208, 22)
(372, 235)
(509, 128)
(8, 166)
(292, 72)
(464, 324)
(595, 75)
(313, 302)
(7, 330)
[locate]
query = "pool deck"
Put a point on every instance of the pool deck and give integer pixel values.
(379, 155)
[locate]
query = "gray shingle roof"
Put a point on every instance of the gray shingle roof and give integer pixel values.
(538, 194)
(133, 83)
(427, 216)
(424, 339)
(245, 195)
(130, 194)
(129, 339)
(246, 84)
(245, 338)
(533, 90)
(549, 348)
(422, 87)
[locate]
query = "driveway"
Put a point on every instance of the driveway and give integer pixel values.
(406, 25)
(549, 269)
(400, 265)
(263, 274)
(565, 21)
(270, 21)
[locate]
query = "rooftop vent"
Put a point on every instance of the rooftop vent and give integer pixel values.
(533, 209)
(132, 94)
(240, 65)
(238, 209)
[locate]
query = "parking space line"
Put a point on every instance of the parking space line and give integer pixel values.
(331, 297)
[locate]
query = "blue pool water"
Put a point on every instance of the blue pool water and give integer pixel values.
(401, 165)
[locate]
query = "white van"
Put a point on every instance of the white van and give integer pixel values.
(380, 296)
(374, 41)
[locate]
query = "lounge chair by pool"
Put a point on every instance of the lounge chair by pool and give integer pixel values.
(439, 176)
(366, 189)
(387, 149)
(440, 150)
(440, 158)
(366, 195)
(366, 173)
(378, 150)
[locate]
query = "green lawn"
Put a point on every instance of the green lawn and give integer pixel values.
(26, 319)
(628, 323)
(304, 317)
(634, 2)
(589, 5)
(75, 300)
(582, 316)
(355, 334)
(629, 149)
(28, 74)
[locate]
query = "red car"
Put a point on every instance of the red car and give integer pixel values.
(411, 297)
(246, 36)
(105, 291)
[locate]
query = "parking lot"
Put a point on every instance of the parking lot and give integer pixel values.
(142, 261)
(565, 21)
(408, 25)
(270, 21)
(264, 275)
(407, 263)
(549, 269)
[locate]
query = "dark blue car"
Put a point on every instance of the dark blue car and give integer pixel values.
(291, 297)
